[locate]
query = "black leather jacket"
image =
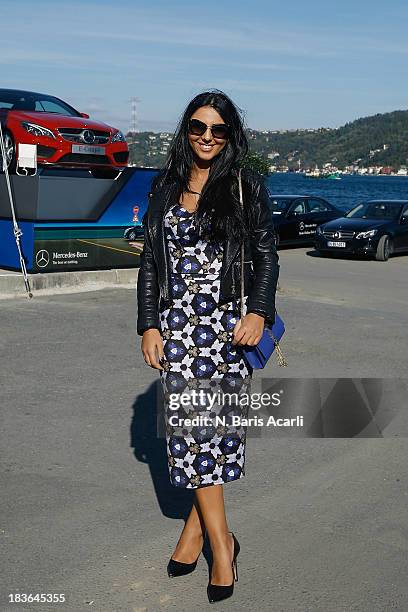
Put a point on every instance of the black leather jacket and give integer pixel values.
(261, 257)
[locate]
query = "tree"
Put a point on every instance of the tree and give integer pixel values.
(256, 162)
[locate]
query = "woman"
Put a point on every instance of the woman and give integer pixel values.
(188, 314)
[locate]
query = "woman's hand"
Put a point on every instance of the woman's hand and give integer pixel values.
(152, 348)
(249, 330)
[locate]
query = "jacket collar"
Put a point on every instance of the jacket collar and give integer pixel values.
(166, 196)
(162, 198)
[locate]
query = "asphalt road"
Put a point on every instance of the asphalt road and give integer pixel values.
(87, 509)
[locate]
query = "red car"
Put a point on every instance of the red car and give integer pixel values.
(64, 136)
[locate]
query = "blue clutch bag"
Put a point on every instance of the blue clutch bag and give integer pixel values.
(257, 356)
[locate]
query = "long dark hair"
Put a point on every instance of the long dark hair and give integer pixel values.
(219, 202)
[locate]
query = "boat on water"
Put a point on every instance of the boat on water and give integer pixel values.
(317, 174)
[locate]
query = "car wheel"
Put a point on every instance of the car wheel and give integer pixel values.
(104, 173)
(131, 236)
(384, 248)
(10, 153)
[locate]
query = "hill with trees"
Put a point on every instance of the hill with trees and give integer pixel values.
(379, 140)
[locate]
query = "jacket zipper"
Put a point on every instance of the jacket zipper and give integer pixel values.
(164, 291)
(235, 264)
(233, 284)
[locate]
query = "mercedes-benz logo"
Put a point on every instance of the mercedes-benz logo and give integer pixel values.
(42, 259)
(88, 136)
(337, 235)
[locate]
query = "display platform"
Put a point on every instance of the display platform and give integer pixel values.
(73, 221)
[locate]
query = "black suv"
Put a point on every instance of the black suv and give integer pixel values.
(376, 228)
(296, 217)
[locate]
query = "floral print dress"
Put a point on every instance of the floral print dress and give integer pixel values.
(205, 444)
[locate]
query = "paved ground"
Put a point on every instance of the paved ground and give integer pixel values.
(86, 505)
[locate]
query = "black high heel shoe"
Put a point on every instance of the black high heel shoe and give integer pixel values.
(178, 568)
(218, 592)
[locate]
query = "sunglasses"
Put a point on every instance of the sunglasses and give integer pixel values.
(218, 130)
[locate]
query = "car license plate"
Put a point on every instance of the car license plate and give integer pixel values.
(336, 244)
(88, 149)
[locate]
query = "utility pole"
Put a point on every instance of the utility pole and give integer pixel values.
(133, 123)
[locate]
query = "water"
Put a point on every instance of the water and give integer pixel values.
(346, 193)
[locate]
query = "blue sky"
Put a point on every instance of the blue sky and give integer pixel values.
(285, 64)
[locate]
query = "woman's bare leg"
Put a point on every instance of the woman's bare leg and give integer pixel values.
(211, 507)
(191, 539)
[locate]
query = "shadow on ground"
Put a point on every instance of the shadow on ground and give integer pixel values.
(151, 449)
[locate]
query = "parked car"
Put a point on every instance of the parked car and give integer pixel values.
(133, 233)
(64, 136)
(296, 217)
(378, 228)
